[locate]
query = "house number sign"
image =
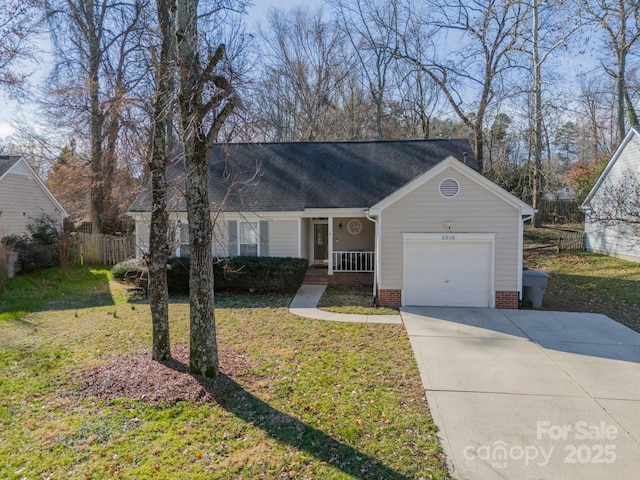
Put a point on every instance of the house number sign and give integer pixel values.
(354, 227)
(448, 237)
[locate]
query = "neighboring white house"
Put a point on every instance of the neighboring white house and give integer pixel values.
(612, 208)
(24, 197)
(416, 216)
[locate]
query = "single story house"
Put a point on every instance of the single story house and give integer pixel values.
(612, 207)
(415, 216)
(24, 197)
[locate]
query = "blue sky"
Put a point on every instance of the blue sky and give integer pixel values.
(12, 110)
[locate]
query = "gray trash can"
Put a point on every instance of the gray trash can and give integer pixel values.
(534, 284)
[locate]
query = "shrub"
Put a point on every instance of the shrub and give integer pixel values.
(131, 271)
(39, 249)
(236, 274)
(178, 275)
(260, 274)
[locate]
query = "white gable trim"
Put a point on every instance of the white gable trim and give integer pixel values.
(627, 139)
(19, 167)
(460, 167)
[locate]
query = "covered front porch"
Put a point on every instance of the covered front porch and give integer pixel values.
(341, 245)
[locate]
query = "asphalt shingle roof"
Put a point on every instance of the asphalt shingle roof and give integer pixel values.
(6, 162)
(271, 177)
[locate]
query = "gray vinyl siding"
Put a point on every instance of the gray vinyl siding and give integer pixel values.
(22, 200)
(220, 244)
(142, 237)
(344, 241)
(606, 239)
(280, 236)
(473, 210)
(283, 238)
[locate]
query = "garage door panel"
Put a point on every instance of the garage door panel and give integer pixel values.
(448, 273)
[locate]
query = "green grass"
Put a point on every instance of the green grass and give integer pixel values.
(322, 400)
(352, 300)
(46, 289)
(587, 282)
(548, 236)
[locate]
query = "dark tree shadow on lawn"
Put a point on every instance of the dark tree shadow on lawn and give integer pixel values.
(289, 430)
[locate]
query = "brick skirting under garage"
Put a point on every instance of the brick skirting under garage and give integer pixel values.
(393, 298)
(390, 298)
(507, 300)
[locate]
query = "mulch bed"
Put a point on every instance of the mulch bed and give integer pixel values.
(138, 377)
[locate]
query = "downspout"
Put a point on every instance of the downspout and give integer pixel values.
(375, 258)
(524, 218)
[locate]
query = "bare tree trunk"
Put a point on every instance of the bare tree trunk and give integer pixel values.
(86, 34)
(203, 347)
(96, 126)
(158, 236)
(620, 20)
(537, 125)
(478, 141)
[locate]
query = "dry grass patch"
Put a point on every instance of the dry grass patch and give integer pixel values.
(587, 282)
(352, 299)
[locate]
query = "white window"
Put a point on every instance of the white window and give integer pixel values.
(248, 238)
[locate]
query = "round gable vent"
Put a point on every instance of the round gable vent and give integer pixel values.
(449, 188)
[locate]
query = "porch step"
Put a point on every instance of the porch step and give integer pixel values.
(316, 276)
(315, 281)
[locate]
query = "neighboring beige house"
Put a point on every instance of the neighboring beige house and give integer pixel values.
(612, 208)
(416, 218)
(23, 197)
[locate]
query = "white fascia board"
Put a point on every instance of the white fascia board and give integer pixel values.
(460, 167)
(333, 212)
(146, 216)
(260, 215)
(138, 215)
(630, 134)
(42, 186)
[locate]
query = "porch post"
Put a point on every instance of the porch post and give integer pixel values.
(330, 246)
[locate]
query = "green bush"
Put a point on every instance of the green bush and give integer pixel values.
(131, 271)
(39, 249)
(178, 275)
(236, 274)
(260, 274)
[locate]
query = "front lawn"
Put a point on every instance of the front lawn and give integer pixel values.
(301, 398)
(352, 299)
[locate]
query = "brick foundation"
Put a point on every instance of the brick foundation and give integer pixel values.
(390, 298)
(350, 278)
(507, 300)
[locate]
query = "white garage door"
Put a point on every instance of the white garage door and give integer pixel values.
(455, 273)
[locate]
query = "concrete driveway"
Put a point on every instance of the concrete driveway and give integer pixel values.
(530, 395)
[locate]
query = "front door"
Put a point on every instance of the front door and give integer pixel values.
(320, 243)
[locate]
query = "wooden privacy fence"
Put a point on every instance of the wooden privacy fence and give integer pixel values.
(571, 242)
(98, 249)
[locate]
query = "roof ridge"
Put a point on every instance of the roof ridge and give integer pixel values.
(341, 142)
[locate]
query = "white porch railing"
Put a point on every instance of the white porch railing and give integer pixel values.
(353, 261)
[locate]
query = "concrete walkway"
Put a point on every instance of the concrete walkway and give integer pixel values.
(530, 395)
(306, 300)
